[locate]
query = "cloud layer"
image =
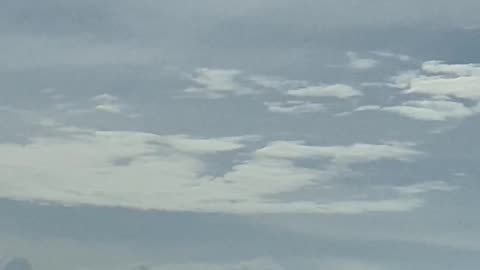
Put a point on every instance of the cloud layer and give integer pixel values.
(148, 171)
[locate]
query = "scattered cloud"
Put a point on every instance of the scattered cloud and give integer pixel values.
(105, 98)
(335, 90)
(294, 107)
(434, 110)
(440, 79)
(277, 82)
(221, 83)
(92, 116)
(356, 153)
(439, 67)
(108, 103)
(403, 79)
(206, 146)
(460, 87)
(358, 63)
(217, 83)
(149, 171)
(110, 108)
(443, 84)
(425, 187)
(395, 56)
(368, 108)
(428, 110)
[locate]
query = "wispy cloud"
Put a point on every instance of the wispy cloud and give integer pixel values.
(335, 90)
(450, 91)
(108, 103)
(222, 83)
(425, 187)
(217, 83)
(356, 153)
(427, 110)
(294, 107)
(391, 55)
(358, 63)
(277, 82)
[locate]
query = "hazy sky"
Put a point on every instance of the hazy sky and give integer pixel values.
(239, 135)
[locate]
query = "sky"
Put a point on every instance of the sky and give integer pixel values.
(239, 135)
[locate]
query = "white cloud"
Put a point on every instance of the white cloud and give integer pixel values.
(360, 63)
(425, 187)
(335, 90)
(435, 110)
(403, 79)
(441, 83)
(396, 56)
(220, 83)
(204, 146)
(148, 171)
(105, 98)
(427, 110)
(159, 174)
(356, 153)
(108, 103)
(467, 87)
(372, 84)
(365, 206)
(110, 108)
(294, 107)
(276, 82)
(438, 67)
(368, 108)
(445, 80)
(217, 83)
(217, 79)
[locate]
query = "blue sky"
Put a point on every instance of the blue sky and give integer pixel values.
(234, 135)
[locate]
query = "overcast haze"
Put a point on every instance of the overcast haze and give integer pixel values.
(234, 135)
